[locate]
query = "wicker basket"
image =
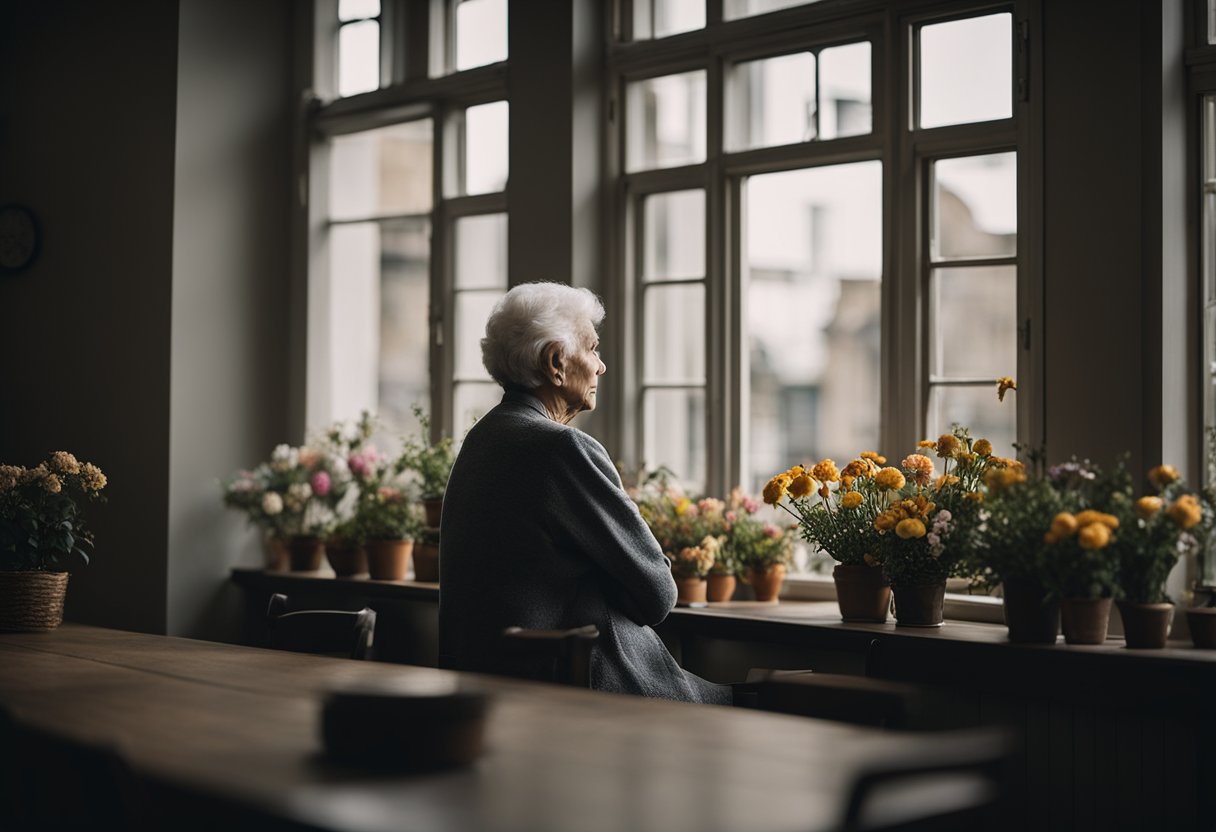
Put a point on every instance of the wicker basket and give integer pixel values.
(32, 601)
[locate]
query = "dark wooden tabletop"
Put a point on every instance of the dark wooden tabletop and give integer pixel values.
(240, 724)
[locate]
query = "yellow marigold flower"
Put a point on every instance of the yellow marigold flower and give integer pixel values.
(948, 445)
(1094, 536)
(946, 480)
(1003, 385)
(857, 468)
(890, 479)
(1090, 516)
(800, 486)
(876, 458)
(982, 447)
(887, 520)
(1146, 507)
(870, 560)
(1185, 511)
(825, 471)
(919, 467)
(52, 484)
(1162, 475)
(775, 489)
(851, 500)
(926, 443)
(92, 478)
(824, 491)
(1063, 525)
(65, 463)
(846, 482)
(910, 529)
(974, 496)
(682, 506)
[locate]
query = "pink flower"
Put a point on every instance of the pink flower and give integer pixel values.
(309, 457)
(771, 531)
(731, 517)
(388, 494)
(750, 505)
(320, 483)
(360, 463)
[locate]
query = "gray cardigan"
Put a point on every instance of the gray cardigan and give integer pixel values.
(537, 532)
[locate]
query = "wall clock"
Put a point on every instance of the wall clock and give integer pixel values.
(18, 238)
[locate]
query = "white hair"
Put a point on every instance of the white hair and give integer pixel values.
(529, 318)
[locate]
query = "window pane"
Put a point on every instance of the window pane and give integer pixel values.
(747, 8)
(1208, 265)
(481, 32)
(485, 152)
(381, 172)
(966, 70)
(1211, 23)
(975, 206)
(472, 312)
(772, 102)
(665, 121)
(673, 333)
(358, 57)
(481, 252)
(404, 326)
(975, 408)
(673, 424)
(844, 89)
(376, 309)
(357, 9)
(471, 401)
(674, 244)
(813, 315)
(660, 18)
(973, 322)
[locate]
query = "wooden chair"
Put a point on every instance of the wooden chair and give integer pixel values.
(954, 782)
(841, 698)
(326, 632)
(562, 656)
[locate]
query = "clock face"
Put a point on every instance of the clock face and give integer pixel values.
(18, 238)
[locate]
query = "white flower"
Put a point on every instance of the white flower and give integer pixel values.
(281, 453)
(272, 503)
(299, 491)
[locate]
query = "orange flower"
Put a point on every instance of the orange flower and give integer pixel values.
(1162, 475)
(1186, 511)
(1146, 507)
(1094, 536)
(983, 447)
(800, 486)
(1003, 385)
(910, 529)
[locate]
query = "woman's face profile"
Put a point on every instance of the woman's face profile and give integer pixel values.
(582, 377)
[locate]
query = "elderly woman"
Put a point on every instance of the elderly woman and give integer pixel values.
(537, 530)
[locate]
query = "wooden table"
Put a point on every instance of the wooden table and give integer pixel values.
(239, 726)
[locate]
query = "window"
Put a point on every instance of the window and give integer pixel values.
(806, 281)
(480, 33)
(358, 46)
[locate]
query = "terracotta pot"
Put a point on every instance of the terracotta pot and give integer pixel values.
(304, 554)
(690, 590)
(32, 601)
(863, 593)
(275, 553)
(1146, 626)
(1084, 620)
(1031, 618)
(345, 559)
(433, 510)
(721, 587)
(919, 606)
(766, 582)
(426, 562)
(388, 560)
(1202, 621)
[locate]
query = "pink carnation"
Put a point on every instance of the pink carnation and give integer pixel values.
(771, 531)
(731, 517)
(320, 483)
(361, 463)
(750, 505)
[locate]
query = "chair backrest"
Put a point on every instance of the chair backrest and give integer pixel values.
(327, 632)
(562, 656)
(952, 782)
(853, 699)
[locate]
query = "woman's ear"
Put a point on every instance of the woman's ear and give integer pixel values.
(555, 364)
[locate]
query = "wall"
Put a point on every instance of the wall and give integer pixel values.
(87, 125)
(228, 399)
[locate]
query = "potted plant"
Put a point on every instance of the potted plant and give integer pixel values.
(41, 530)
(690, 566)
(689, 532)
(929, 526)
(388, 524)
(765, 551)
(838, 519)
(432, 462)
(1154, 532)
(426, 556)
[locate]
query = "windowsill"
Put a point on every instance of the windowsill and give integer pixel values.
(958, 606)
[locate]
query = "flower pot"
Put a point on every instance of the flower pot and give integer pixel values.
(721, 587)
(388, 560)
(275, 553)
(690, 590)
(766, 581)
(32, 601)
(304, 554)
(426, 562)
(919, 606)
(345, 559)
(1202, 621)
(863, 592)
(1146, 626)
(1084, 620)
(433, 510)
(1031, 618)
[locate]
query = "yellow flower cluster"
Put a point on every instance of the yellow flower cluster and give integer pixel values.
(890, 479)
(697, 560)
(1092, 528)
(51, 477)
(798, 482)
(906, 518)
(1186, 511)
(1162, 475)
